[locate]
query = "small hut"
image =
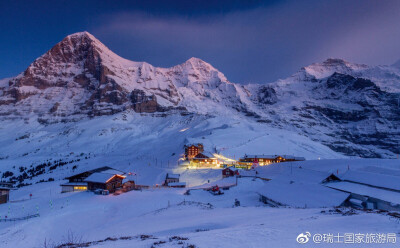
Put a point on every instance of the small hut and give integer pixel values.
(171, 178)
(128, 184)
(229, 172)
(4, 195)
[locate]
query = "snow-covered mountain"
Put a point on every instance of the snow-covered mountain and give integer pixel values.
(81, 76)
(351, 108)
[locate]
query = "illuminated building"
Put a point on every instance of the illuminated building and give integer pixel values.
(192, 150)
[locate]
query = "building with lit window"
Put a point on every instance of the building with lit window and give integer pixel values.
(248, 160)
(229, 172)
(77, 182)
(193, 150)
(203, 160)
(104, 181)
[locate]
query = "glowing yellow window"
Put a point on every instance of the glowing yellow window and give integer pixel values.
(80, 188)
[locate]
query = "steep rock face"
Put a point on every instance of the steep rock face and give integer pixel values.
(81, 77)
(340, 104)
(143, 103)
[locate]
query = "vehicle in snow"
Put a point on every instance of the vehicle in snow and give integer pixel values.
(101, 192)
(215, 190)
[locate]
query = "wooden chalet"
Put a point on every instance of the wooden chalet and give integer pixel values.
(77, 182)
(203, 160)
(4, 194)
(229, 172)
(104, 181)
(171, 178)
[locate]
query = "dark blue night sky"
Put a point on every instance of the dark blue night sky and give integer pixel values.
(249, 41)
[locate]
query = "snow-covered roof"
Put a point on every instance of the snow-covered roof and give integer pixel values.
(373, 179)
(128, 179)
(261, 156)
(293, 157)
(177, 184)
(103, 169)
(193, 144)
(204, 155)
(113, 171)
(382, 194)
(274, 156)
(75, 184)
(302, 195)
(284, 171)
(175, 176)
(201, 156)
(99, 177)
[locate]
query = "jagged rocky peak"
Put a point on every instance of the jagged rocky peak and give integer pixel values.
(198, 70)
(76, 47)
(330, 66)
(81, 76)
(72, 49)
(69, 60)
(197, 63)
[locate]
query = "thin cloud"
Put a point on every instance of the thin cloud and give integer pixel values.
(260, 44)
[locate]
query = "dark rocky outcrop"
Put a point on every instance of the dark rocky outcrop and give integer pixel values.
(267, 95)
(143, 103)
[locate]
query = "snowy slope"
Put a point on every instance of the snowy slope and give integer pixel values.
(147, 145)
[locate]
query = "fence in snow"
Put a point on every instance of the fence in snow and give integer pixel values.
(20, 218)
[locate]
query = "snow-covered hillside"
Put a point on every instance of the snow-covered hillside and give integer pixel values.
(145, 144)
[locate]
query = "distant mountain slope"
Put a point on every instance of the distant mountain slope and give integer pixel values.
(354, 109)
(351, 108)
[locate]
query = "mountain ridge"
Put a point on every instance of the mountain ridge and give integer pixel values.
(105, 82)
(348, 107)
